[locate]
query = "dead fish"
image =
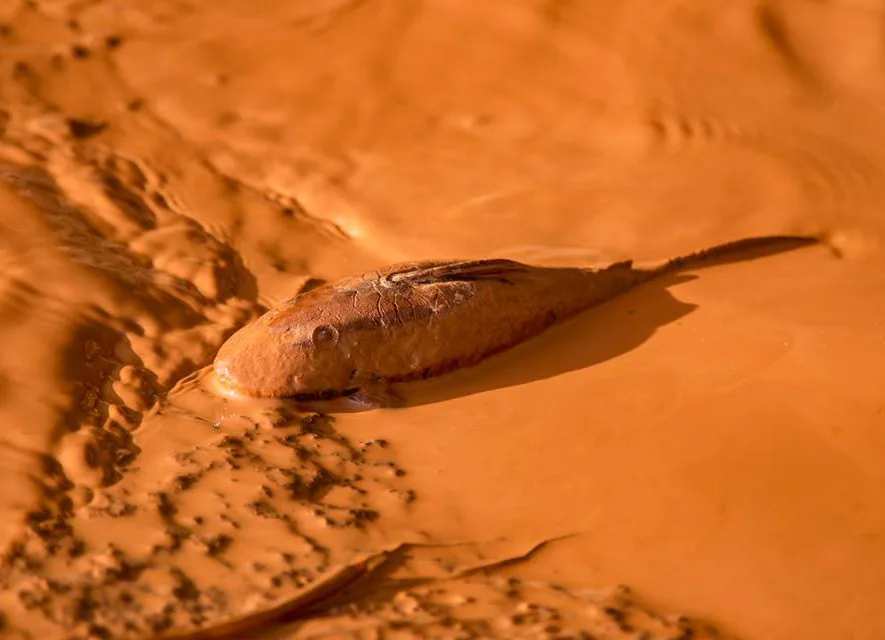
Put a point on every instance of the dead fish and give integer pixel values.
(409, 321)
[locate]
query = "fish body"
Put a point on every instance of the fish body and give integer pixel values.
(420, 319)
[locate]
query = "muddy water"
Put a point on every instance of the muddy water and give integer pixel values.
(711, 441)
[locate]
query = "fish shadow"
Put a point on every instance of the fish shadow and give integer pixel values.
(601, 333)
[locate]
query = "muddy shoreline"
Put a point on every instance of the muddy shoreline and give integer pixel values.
(701, 455)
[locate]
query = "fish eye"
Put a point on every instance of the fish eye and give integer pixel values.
(325, 334)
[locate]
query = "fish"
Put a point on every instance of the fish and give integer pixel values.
(357, 337)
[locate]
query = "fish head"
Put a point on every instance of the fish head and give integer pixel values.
(295, 349)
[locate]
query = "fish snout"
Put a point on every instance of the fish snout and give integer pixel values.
(253, 363)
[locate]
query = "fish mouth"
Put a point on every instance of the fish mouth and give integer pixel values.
(241, 369)
(230, 383)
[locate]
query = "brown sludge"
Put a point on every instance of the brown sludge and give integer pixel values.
(712, 439)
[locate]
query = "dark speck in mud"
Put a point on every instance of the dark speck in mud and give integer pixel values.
(81, 129)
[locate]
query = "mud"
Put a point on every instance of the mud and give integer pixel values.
(711, 441)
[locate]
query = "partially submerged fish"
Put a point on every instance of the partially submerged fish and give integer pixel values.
(410, 321)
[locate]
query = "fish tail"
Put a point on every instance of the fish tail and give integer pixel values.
(736, 251)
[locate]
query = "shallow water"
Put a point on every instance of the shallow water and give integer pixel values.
(168, 172)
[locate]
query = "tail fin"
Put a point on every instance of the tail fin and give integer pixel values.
(736, 251)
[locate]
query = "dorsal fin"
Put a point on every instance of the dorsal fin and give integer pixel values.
(459, 271)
